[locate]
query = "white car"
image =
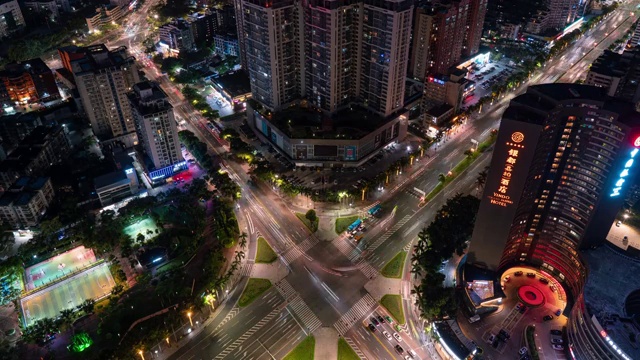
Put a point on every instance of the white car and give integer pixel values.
(557, 347)
(397, 337)
(387, 335)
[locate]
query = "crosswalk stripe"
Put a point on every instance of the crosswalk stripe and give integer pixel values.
(388, 234)
(306, 315)
(292, 254)
(355, 348)
(346, 248)
(247, 268)
(308, 243)
(285, 289)
(368, 270)
(357, 311)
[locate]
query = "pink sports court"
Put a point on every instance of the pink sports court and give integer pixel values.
(58, 266)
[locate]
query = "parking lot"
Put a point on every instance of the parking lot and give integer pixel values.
(486, 76)
(219, 103)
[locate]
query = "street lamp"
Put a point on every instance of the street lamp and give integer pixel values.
(189, 316)
(141, 354)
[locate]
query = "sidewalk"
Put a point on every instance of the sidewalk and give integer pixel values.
(273, 272)
(381, 286)
(326, 343)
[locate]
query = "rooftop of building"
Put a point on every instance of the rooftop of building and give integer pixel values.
(451, 335)
(32, 66)
(608, 64)
(41, 135)
(234, 83)
(300, 122)
(440, 110)
(110, 179)
(148, 98)
(533, 105)
(28, 149)
(22, 191)
(98, 57)
(612, 278)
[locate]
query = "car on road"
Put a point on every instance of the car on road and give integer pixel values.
(389, 319)
(399, 349)
(557, 347)
(374, 321)
(412, 353)
(519, 306)
(544, 281)
(397, 337)
(387, 335)
(507, 279)
(555, 332)
(381, 319)
(556, 341)
(407, 357)
(547, 317)
(372, 327)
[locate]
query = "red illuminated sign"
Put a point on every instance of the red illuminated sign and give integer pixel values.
(636, 142)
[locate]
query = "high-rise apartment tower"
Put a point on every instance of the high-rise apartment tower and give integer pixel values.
(563, 160)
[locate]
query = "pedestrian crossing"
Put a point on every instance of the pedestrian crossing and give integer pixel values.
(285, 289)
(248, 334)
(305, 315)
(357, 311)
(356, 348)
(247, 268)
(407, 247)
(291, 255)
(310, 242)
(346, 248)
(388, 234)
(368, 270)
(414, 193)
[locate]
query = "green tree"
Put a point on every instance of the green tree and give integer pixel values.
(311, 216)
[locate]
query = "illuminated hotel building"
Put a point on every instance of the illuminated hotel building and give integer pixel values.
(562, 163)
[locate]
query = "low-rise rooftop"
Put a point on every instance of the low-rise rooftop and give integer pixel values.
(613, 276)
(308, 123)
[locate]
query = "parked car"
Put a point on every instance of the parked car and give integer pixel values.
(517, 273)
(547, 317)
(544, 281)
(531, 275)
(557, 347)
(555, 332)
(558, 312)
(491, 338)
(556, 341)
(523, 351)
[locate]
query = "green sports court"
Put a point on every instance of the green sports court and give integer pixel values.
(142, 227)
(58, 266)
(93, 283)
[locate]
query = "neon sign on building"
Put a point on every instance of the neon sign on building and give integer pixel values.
(514, 147)
(625, 171)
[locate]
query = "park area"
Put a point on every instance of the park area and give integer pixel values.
(145, 226)
(58, 266)
(94, 283)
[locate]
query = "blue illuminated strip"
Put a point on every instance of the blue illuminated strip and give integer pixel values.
(625, 172)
